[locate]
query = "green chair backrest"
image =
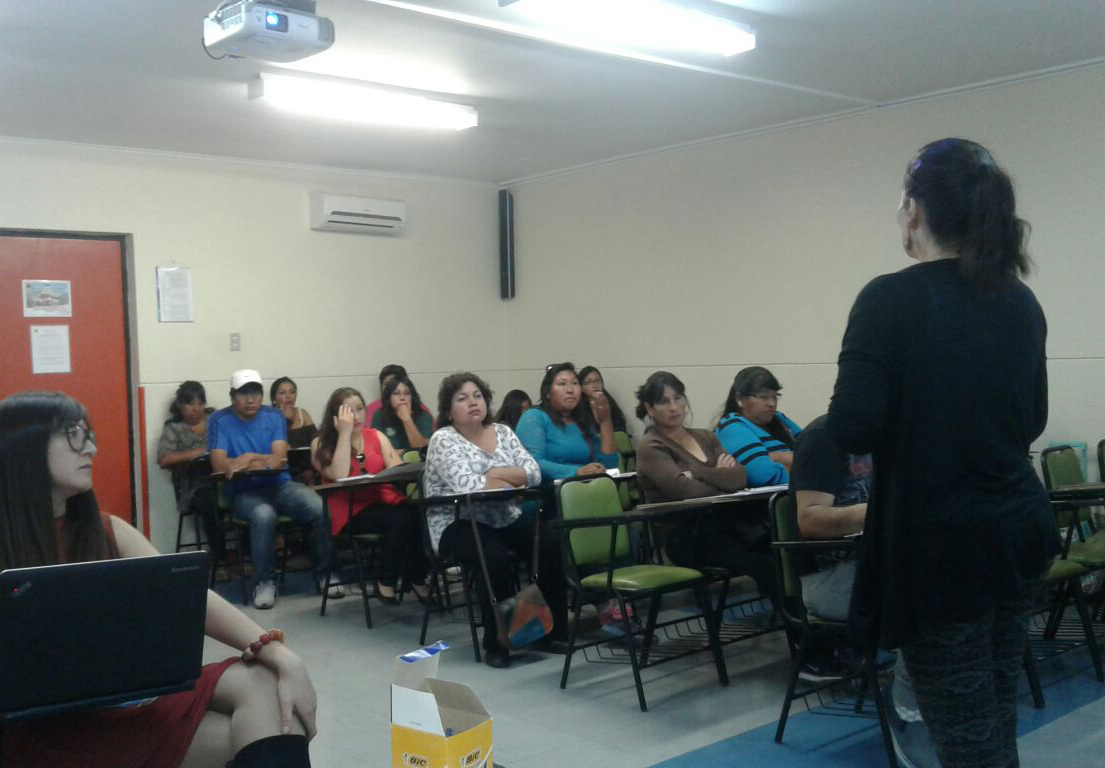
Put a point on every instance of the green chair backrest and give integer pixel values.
(411, 456)
(784, 527)
(1061, 466)
(625, 445)
(593, 498)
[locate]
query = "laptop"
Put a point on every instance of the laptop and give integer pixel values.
(100, 633)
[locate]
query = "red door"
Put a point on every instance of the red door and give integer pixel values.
(98, 343)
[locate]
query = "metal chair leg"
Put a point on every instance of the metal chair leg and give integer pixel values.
(466, 587)
(433, 593)
(650, 628)
(1033, 676)
(577, 606)
(803, 650)
(633, 655)
(713, 630)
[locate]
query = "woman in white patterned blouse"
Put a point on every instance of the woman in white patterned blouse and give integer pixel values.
(468, 453)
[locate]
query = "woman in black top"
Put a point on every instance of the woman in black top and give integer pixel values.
(942, 377)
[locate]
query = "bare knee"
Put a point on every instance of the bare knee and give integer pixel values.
(245, 685)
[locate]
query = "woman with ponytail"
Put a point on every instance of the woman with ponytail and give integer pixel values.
(942, 378)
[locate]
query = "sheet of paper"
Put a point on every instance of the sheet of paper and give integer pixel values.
(50, 349)
(174, 295)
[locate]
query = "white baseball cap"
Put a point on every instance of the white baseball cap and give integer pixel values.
(245, 376)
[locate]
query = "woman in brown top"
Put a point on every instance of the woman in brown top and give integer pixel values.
(676, 463)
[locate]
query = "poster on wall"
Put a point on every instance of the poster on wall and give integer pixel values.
(50, 349)
(47, 298)
(174, 295)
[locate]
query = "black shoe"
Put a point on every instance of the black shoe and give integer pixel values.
(496, 660)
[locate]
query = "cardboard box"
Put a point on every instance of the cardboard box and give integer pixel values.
(435, 723)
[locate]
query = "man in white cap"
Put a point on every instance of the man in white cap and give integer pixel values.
(250, 435)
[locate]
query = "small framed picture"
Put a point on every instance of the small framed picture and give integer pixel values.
(47, 298)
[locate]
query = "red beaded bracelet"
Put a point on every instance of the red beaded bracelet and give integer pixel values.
(272, 636)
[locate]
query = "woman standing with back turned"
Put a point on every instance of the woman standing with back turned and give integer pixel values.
(942, 377)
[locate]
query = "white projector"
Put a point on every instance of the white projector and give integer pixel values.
(269, 31)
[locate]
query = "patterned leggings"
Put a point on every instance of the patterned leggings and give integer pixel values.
(965, 677)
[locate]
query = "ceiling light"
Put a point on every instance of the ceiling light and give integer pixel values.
(359, 103)
(648, 25)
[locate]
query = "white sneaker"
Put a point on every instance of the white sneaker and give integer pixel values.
(264, 595)
(336, 590)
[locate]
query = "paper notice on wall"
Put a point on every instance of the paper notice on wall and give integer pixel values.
(50, 349)
(174, 295)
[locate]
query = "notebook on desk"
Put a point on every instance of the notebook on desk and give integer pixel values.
(101, 633)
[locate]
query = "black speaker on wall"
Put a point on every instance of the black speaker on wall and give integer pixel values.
(506, 244)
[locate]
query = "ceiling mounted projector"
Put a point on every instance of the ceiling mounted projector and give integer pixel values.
(272, 31)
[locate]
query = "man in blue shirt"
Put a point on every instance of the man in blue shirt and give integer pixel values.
(251, 436)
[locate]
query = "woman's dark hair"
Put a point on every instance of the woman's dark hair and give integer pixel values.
(388, 414)
(276, 385)
(970, 208)
(327, 432)
(617, 415)
(749, 381)
(450, 385)
(27, 534)
(187, 392)
(391, 369)
(511, 409)
(581, 414)
(652, 391)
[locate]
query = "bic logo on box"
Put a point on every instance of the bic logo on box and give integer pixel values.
(415, 761)
(472, 760)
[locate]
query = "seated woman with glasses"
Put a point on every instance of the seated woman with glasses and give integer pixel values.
(674, 463)
(263, 708)
(401, 416)
(345, 447)
(752, 429)
(568, 433)
(470, 453)
(590, 379)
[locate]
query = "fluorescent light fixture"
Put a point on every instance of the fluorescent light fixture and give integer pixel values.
(360, 103)
(642, 25)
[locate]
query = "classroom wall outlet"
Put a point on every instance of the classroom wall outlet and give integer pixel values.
(235, 342)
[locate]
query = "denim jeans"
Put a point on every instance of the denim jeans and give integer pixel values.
(261, 506)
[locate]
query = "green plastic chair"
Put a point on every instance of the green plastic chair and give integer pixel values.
(1063, 468)
(629, 493)
(596, 545)
(790, 548)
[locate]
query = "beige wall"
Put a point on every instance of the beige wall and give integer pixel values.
(700, 260)
(750, 251)
(327, 309)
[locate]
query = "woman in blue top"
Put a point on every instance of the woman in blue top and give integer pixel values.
(568, 434)
(759, 436)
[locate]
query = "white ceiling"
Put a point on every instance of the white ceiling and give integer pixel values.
(131, 73)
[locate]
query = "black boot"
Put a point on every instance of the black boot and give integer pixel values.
(273, 752)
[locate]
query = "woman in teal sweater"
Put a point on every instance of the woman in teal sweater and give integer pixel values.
(569, 435)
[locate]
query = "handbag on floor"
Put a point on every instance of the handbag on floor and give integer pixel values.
(525, 618)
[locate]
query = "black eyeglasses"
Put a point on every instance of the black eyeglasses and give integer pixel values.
(79, 436)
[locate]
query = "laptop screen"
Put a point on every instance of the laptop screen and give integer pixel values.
(93, 634)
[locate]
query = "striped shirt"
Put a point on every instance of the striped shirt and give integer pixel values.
(750, 444)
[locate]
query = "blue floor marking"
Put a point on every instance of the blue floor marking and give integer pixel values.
(821, 740)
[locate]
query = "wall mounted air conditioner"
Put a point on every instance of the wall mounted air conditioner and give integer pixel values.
(339, 213)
